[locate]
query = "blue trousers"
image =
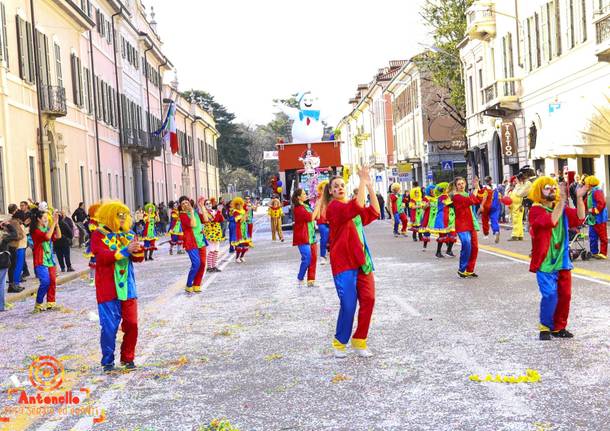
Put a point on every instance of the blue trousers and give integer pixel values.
(232, 236)
(195, 264)
(3, 273)
(324, 234)
(353, 287)
(47, 278)
(308, 261)
(19, 261)
(556, 291)
(469, 251)
(494, 218)
(111, 314)
(396, 223)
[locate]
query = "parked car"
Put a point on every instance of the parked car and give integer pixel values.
(266, 202)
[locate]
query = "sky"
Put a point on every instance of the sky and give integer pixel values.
(248, 52)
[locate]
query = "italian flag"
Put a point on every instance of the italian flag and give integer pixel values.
(168, 129)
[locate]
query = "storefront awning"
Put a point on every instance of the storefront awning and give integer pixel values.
(580, 127)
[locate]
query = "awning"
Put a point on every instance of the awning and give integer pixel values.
(580, 127)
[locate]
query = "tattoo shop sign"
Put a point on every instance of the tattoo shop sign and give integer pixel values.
(508, 139)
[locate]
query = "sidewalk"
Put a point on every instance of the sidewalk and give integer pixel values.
(79, 263)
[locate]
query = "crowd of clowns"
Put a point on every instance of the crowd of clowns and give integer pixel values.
(116, 243)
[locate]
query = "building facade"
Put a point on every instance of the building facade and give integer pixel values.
(542, 66)
(81, 93)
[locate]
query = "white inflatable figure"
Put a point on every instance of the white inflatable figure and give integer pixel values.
(307, 125)
(310, 162)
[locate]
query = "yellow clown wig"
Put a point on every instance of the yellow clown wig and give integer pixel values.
(395, 187)
(93, 209)
(535, 194)
(320, 188)
(150, 206)
(237, 203)
(591, 181)
(441, 188)
(110, 215)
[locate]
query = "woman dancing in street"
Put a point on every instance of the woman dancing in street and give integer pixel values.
(351, 263)
(44, 231)
(213, 233)
(444, 223)
(194, 243)
(241, 241)
(304, 235)
(466, 225)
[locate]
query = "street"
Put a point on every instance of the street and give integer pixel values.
(255, 349)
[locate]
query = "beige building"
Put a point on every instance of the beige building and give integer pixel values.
(81, 93)
(543, 66)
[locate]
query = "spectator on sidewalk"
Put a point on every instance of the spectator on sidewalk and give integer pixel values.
(63, 244)
(381, 201)
(8, 234)
(17, 249)
(224, 209)
(25, 216)
(80, 217)
(163, 219)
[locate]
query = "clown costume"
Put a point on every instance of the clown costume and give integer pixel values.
(194, 243)
(466, 225)
(213, 233)
(44, 230)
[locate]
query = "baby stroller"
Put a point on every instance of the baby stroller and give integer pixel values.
(578, 245)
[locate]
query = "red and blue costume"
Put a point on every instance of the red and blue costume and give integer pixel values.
(324, 232)
(175, 229)
(466, 226)
(194, 243)
(352, 269)
(44, 265)
(491, 209)
(444, 223)
(597, 219)
(304, 237)
(397, 205)
(551, 263)
(116, 294)
(150, 235)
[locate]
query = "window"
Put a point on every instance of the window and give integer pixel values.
(77, 84)
(558, 50)
(88, 92)
(2, 201)
(44, 65)
(583, 20)
(110, 185)
(3, 35)
(33, 179)
(58, 74)
(25, 50)
(82, 183)
(471, 94)
(480, 78)
(529, 44)
(537, 34)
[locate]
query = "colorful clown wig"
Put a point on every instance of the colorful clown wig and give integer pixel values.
(441, 188)
(591, 181)
(150, 206)
(430, 189)
(93, 209)
(320, 188)
(110, 215)
(395, 187)
(535, 194)
(237, 203)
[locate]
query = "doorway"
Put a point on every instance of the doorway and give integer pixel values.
(499, 163)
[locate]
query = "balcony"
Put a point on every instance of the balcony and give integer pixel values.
(481, 21)
(53, 101)
(378, 161)
(155, 145)
(601, 20)
(187, 160)
(130, 138)
(501, 96)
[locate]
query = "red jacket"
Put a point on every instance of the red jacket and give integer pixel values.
(463, 213)
(481, 195)
(188, 237)
(300, 230)
(541, 228)
(38, 238)
(345, 250)
(105, 288)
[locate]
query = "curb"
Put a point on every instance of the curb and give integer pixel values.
(13, 297)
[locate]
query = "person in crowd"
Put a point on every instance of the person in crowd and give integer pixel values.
(163, 219)
(398, 214)
(91, 226)
(466, 224)
(597, 218)
(175, 229)
(44, 230)
(322, 225)
(519, 191)
(224, 209)
(150, 219)
(351, 261)
(491, 209)
(416, 210)
(115, 249)
(79, 217)
(232, 227)
(8, 234)
(275, 217)
(381, 201)
(63, 244)
(429, 217)
(503, 189)
(550, 218)
(250, 208)
(304, 236)
(444, 223)
(242, 242)
(17, 249)
(25, 216)
(213, 233)
(194, 242)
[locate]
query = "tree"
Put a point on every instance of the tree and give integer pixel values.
(240, 179)
(447, 22)
(232, 147)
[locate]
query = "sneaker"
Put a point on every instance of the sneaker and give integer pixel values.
(598, 256)
(39, 308)
(108, 368)
(197, 289)
(237, 260)
(188, 289)
(363, 353)
(439, 255)
(15, 288)
(497, 240)
(171, 252)
(545, 335)
(450, 253)
(129, 365)
(70, 269)
(473, 275)
(340, 353)
(513, 238)
(217, 270)
(485, 236)
(562, 333)
(311, 283)
(51, 306)
(242, 260)
(463, 274)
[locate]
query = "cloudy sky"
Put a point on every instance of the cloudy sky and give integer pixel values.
(248, 52)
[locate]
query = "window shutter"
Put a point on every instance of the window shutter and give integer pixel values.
(3, 34)
(21, 48)
(30, 56)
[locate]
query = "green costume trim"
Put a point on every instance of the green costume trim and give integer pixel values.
(367, 268)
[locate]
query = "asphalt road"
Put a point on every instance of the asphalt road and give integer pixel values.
(255, 349)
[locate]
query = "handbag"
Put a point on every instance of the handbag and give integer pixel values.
(5, 259)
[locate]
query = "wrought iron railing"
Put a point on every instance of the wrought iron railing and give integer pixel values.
(506, 87)
(130, 138)
(53, 100)
(480, 13)
(187, 160)
(602, 29)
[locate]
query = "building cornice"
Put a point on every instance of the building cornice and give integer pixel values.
(76, 13)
